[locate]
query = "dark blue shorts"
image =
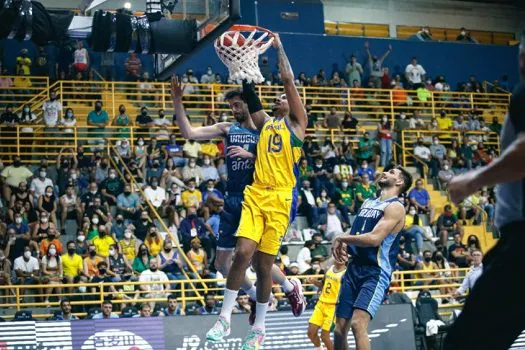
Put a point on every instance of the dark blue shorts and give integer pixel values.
(230, 221)
(362, 287)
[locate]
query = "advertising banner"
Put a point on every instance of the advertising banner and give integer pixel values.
(391, 329)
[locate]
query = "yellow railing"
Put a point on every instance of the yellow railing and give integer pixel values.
(30, 296)
(201, 99)
(410, 137)
(23, 89)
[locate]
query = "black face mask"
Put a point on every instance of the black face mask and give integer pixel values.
(102, 234)
(167, 250)
(71, 251)
(439, 257)
(16, 163)
(102, 271)
(428, 259)
(161, 115)
(471, 242)
(127, 193)
(92, 253)
(50, 237)
(122, 111)
(143, 252)
(98, 108)
(153, 269)
(120, 222)
(144, 113)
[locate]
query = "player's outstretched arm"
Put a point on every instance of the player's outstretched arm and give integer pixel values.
(187, 130)
(298, 115)
(394, 218)
(257, 113)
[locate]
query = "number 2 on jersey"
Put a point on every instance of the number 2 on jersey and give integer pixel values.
(275, 143)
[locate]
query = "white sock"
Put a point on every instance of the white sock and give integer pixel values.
(252, 292)
(287, 286)
(260, 315)
(319, 348)
(228, 303)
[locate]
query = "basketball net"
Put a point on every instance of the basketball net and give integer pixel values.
(243, 60)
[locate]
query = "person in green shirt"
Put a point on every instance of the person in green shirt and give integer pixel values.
(141, 261)
(345, 200)
(305, 170)
(495, 126)
(122, 119)
(363, 191)
(320, 249)
(99, 118)
(366, 149)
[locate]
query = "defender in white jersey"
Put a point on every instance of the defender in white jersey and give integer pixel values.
(372, 245)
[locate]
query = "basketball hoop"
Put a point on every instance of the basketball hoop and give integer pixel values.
(239, 49)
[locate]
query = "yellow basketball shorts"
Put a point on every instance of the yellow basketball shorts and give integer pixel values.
(323, 315)
(266, 214)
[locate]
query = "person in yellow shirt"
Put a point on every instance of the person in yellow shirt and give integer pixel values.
(428, 267)
(23, 63)
(72, 263)
(103, 241)
(197, 255)
(444, 123)
(154, 241)
(210, 149)
(324, 312)
(192, 196)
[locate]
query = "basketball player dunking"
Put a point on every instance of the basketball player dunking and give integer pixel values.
(270, 202)
(494, 313)
(241, 140)
(373, 245)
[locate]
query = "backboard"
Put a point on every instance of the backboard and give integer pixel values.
(213, 18)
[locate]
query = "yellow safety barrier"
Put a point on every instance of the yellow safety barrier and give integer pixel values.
(31, 296)
(23, 89)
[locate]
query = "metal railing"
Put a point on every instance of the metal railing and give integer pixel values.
(20, 89)
(202, 99)
(20, 297)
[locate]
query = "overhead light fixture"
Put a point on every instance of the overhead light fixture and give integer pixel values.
(127, 5)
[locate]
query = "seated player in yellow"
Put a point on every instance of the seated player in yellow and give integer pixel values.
(324, 312)
(270, 203)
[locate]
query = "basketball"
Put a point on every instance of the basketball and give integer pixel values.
(229, 37)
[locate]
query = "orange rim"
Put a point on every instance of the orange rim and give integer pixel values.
(249, 28)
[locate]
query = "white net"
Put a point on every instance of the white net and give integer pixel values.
(241, 54)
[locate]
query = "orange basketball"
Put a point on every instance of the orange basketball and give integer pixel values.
(228, 39)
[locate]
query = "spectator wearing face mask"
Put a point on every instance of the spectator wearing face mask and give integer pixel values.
(209, 171)
(111, 187)
(103, 242)
(445, 174)
(438, 153)
(26, 117)
(211, 191)
(307, 204)
(39, 184)
(448, 225)
(99, 212)
(52, 271)
(208, 77)
(304, 257)
(97, 118)
(128, 204)
(119, 267)
(103, 278)
(192, 226)
(47, 203)
(117, 228)
(52, 238)
(423, 154)
(428, 267)
(366, 149)
(122, 120)
(364, 190)
(322, 173)
(155, 194)
(192, 172)
(68, 122)
(345, 200)
(89, 197)
(413, 229)
(129, 245)
(143, 225)
(9, 121)
(385, 130)
(91, 262)
(405, 259)
(27, 269)
(141, 261)
(332, 223)
(71, 262)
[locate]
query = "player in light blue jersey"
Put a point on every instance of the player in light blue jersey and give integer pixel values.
(241, 140)
(372, 246)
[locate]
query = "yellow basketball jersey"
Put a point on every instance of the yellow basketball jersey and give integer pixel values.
(278, 154)
(332, 283)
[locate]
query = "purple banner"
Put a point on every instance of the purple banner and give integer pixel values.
(119, 334)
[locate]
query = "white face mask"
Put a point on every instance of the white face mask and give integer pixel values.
(18, 220)
(95, 221)
(49, 194)
(82, 289)
(112, 252)
(94, 192)
(43, 174)
(402, 116)
(73, 176)
(112, 176)
(344, 184)
(436, 142)
(412, 212)
(81, 238)
(44, 220)
(323, 194)
(192, 164)
(207, 162)
(141, 143)
(127, 235)
(27, 254)
(446, 167)
(52, 251)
